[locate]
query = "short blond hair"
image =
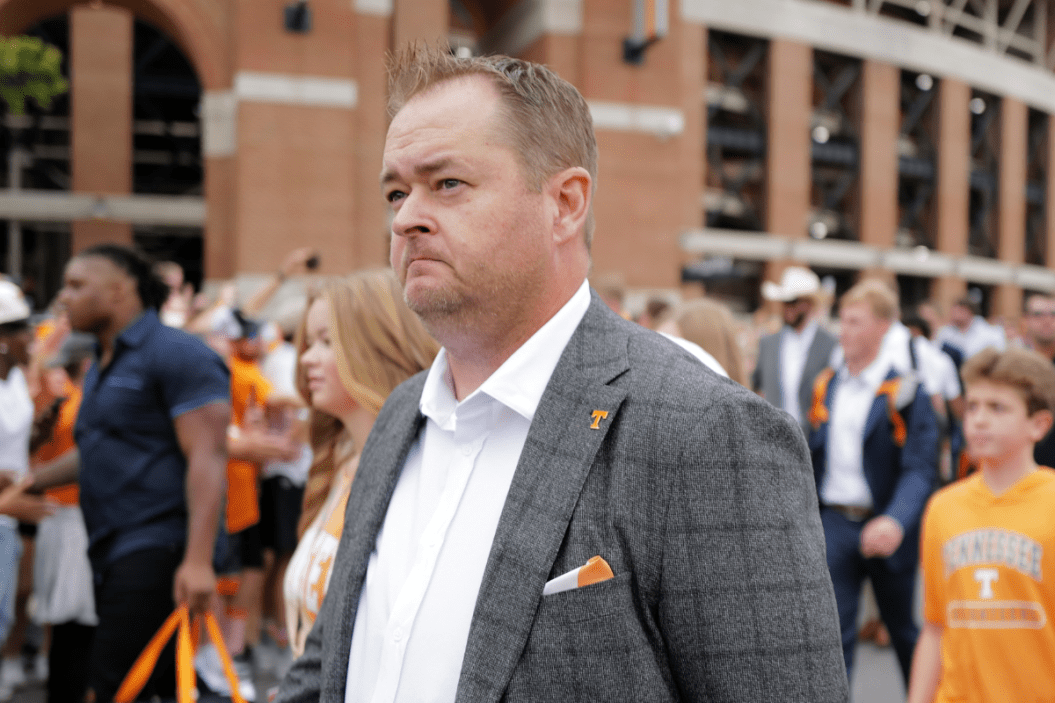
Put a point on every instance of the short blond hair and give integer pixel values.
(877, 295)
(1025, 370)
(548, 121)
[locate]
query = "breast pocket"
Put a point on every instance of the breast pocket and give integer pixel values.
(588, 644)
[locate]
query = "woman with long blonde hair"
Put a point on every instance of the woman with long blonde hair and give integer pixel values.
(356, 343)
(709, 324)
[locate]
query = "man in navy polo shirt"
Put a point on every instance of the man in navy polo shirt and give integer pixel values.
(151, 439)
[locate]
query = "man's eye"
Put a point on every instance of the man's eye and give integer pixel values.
(450, 183)
(394, 195)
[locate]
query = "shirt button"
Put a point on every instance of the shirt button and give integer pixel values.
(467, 449)
(397, 634)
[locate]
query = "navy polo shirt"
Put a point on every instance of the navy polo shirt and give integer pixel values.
(133, 471)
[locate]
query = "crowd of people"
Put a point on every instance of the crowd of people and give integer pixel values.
(485, 482)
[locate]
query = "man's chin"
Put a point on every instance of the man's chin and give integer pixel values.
(430, 301)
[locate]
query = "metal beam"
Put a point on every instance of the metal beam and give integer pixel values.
(851, 32)
(917, 261)
(51, 206)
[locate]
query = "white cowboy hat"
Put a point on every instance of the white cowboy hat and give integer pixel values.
(796, 282)
(13, 305)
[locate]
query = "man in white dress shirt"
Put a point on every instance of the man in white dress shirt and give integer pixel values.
(549, 432)
(875, 450)
(968, 331)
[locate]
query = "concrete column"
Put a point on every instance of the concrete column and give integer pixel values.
(101, 114)
(220, 192)
(1011, 199)
(371, 124)
(788, 177)
(420, 20)
(1049, 201)
(953, 190)
(880, 126)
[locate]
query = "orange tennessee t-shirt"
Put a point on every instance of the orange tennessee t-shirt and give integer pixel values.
(61, 442)
(243, 505)
(989, 581)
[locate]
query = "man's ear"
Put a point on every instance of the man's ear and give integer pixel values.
(1040, 424)
(571, 191)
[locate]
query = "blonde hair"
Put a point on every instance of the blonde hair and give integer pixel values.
(547, 121)
(378, 343)
(1026, 371)
(709, 324)
(879, 297)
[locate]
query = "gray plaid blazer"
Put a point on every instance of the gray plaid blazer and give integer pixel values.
(699, 495)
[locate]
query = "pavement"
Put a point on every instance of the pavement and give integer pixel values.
(876, 678)
(271, 664)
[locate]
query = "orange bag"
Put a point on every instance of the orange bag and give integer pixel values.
(186, 639)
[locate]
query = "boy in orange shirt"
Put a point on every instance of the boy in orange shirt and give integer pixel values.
(988, 546)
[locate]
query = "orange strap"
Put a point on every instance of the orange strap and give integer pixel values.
(891, 389)
(179, 623)
(819, 411)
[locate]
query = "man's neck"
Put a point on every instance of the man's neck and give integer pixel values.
(965, 326)
(109, 334)
(477, 350)
(856, 366)
(1000, 474)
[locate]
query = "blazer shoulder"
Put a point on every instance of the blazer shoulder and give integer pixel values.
(654, 361)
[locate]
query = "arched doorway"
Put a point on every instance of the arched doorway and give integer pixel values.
(166, 147)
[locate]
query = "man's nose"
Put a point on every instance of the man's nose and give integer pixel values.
(413, 216)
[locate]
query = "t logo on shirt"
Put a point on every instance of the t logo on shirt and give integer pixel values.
(986, 577)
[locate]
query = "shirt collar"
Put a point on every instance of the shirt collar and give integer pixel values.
(520, 381)
(872, 375)
(137, 331)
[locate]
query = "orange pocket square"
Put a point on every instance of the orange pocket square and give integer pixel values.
(594, 571)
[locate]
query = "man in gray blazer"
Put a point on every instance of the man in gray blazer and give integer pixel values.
(566, 506)
(789, 361)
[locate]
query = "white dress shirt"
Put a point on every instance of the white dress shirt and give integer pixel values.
(979, 335)
(424, 575)
(16, 424)
(844, 481)
(935, 369)
(794, 348)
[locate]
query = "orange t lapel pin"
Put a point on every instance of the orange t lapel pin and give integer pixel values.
(598, 415)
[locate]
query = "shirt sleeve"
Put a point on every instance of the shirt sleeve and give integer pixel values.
(191, 375)
(934, 595)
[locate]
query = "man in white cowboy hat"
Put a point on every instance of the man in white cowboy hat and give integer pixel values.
(790, 360)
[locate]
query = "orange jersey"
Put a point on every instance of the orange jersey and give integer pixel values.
(989, 581)
(243, 504)
(61, 442)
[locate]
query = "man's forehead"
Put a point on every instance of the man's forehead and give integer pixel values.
(92, 266)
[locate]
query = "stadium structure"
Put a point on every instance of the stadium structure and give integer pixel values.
(907, 138)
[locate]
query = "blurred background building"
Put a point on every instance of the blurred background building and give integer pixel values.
(907, 137)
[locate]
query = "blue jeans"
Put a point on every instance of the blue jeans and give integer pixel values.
(10, 554)
(894, 583)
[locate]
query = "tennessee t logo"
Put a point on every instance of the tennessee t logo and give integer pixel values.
(598, 415)
(986, 577)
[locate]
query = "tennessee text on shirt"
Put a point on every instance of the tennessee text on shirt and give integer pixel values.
(993, 546)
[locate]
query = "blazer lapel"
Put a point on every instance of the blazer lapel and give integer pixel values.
(572, 420)
(876, 413)
(379, 468)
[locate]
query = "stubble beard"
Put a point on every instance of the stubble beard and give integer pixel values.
(480, 309)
